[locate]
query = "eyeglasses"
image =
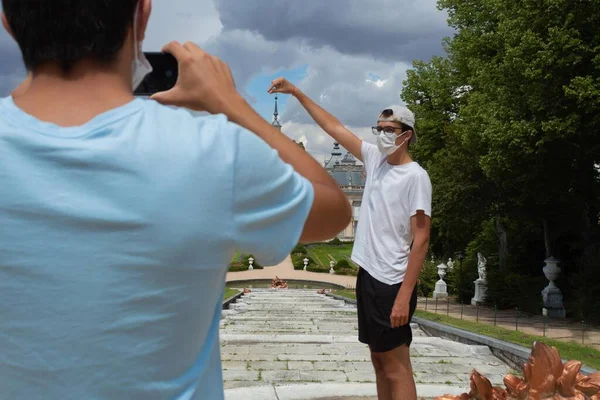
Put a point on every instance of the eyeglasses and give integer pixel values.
(389, 130)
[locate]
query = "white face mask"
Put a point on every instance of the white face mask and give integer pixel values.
(140, 65)
(386, 142)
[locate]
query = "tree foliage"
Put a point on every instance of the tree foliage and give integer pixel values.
(509, 130)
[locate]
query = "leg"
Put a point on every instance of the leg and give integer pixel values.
(394, 370)
(384, 390)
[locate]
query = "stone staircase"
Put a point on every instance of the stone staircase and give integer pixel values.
(297, 344)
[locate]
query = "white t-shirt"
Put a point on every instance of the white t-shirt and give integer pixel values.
(393, 194)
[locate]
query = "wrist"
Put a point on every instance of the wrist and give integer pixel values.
(235, 107)
(404, 295)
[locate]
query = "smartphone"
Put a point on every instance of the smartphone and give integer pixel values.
(163, 76)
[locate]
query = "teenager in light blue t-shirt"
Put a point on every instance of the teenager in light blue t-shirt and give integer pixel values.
(119, 215)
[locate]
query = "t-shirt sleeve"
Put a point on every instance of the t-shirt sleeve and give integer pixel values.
(420, 195)
(370, 155)
(271, 201)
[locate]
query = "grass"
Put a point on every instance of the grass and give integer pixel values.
(323, 253)
(229, 292)
(568, 350)
(320, 256)
(236, 256)
(240, 262)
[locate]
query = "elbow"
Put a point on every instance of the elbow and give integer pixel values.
(328, 218)
(421, 244)
(344, 217)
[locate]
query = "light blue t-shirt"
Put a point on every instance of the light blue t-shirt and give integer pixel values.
(115, 238)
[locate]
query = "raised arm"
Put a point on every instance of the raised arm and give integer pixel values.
(330, 124)
(205, 83)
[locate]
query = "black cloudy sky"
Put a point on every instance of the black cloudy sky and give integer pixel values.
(351, 56)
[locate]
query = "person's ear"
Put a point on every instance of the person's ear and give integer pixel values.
(145, 9)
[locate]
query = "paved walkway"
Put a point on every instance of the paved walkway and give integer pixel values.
(296, 344)
(286, 271)
(563, 330)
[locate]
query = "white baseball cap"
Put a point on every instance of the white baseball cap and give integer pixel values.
(400, 114)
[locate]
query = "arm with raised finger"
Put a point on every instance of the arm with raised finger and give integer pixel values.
(330, 124)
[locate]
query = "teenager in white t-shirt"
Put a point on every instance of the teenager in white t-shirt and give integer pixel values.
(391, 239)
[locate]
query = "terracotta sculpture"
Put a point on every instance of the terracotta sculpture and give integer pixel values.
(278, 283)
(545, 377)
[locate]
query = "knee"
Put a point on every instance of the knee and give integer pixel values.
(378, 364)
(390, 368)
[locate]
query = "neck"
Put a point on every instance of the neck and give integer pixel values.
(399, 157)
(75, 98)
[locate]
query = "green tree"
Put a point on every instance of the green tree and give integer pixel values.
(509, 129)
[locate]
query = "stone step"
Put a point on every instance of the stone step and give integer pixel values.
(330, 391)
(308, 361)
(288, 298)
(299, 299)
(282, 308)
(253, 319)
(283, 293)
(274, 340)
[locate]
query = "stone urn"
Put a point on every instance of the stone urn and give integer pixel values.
(552, 296)
(441, 288)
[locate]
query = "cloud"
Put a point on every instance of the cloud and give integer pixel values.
(181, 20)
(12, 71)
(400, 30)
(342, 85)
(356, 52)
(317, 142)
(249, 54)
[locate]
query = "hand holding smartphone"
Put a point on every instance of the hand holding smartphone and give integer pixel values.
(163, 76)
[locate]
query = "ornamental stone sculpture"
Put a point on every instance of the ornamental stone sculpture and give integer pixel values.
(481, 264)
(544, 377)
(480, 283)
(450, 264)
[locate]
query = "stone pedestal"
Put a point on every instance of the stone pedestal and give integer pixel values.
(480, 292)
(250, 264)
(441, 290)
(552, 296)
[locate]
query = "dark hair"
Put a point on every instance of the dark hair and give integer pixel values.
(68, 31)
(405, 127)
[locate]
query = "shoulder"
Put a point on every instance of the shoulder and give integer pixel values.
(213, 132)
(370, 153)
(418, 172)
(419, 178)
(178, 117)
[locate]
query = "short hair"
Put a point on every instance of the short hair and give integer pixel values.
(68, 31)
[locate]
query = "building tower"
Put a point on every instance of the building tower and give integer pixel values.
(276, 122)
(336, 157)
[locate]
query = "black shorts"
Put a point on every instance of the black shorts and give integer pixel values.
(374, 302)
